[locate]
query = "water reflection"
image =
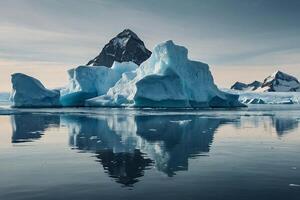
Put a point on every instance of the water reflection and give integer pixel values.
(166, 141)
(172, 140)
(124, 167)
(281, 124)
(127, 145)
(29, 127)
(284, 125)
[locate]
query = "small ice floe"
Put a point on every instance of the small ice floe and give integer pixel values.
(93, 138)
(152, 130)
(182, 122)
(294, 185)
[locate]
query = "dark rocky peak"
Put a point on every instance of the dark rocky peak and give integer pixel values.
(125, 47)
(243, 86)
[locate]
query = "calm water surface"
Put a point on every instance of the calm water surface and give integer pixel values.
(127, 154)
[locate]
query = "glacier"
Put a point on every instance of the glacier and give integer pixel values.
(30, 92)
(167, 79)
(254, 97)
(86, 82)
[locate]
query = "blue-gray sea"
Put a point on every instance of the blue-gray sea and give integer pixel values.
(86, 154)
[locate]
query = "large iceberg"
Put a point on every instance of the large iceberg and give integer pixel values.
(87, 82)
(30, 92)
(167, 79)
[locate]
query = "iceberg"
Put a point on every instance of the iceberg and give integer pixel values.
(167, 79)
(30, 92)
(86, 82)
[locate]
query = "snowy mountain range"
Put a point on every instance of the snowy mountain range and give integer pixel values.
(276, 82)
(125, 47)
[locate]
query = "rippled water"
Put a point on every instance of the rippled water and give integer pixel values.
(128, 154)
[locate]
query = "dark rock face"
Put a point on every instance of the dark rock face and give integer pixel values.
(125, 47)
(243, 86)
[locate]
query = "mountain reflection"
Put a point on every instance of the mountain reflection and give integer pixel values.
(124, 167)
(29, 127)
(284, 125)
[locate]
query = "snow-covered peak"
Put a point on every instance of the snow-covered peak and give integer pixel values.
(125, 47)
(280, 82)
(279, 75)
(276, 82)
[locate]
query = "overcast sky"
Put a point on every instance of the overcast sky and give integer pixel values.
(240, 39)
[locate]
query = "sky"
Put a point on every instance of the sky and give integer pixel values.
(241, 40)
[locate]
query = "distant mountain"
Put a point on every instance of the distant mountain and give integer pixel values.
(280, 82)
(246, 87)
(277, 82)
(126, 46)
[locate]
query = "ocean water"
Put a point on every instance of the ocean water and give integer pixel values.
(150, 154)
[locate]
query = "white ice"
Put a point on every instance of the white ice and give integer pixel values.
(30, 92)
(86, 82)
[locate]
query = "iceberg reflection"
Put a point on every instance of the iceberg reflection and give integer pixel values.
(29, 127)
(166, 141)
(126, 145)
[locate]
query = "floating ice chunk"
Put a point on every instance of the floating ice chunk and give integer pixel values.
(30, 92)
